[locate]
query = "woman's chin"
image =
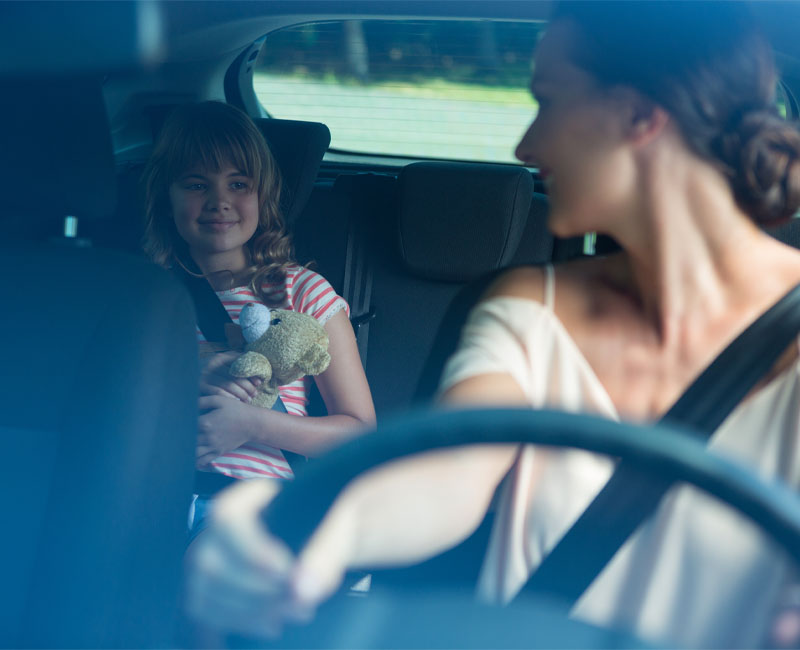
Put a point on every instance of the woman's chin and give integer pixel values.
(563, 225)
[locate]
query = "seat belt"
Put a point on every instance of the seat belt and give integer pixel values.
(357, 282)
(625, 502)
(211, 313)
(212, 317)
(358, 286)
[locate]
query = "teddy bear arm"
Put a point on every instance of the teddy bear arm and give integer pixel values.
(252, 364)
(266, 396)
(315, 360)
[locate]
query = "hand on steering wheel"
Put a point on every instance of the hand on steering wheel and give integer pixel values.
(247, 581)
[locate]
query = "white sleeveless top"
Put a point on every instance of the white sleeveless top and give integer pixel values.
(696, 573)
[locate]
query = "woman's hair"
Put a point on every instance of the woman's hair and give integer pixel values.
(711, 69)
(211, 135)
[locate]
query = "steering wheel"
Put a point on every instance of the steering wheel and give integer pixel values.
(662, 452)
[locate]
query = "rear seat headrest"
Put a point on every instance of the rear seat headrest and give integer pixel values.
(458, 221)
(56, 148)
(298, 148)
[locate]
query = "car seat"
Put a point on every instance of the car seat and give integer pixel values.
(98, 407)
(428, 233)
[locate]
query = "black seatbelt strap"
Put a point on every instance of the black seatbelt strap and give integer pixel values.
(626, 501)
(211, 313)
(358, 284)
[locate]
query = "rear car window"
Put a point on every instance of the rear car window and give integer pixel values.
(428, 89)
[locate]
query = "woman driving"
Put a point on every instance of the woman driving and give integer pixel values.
(656, 126)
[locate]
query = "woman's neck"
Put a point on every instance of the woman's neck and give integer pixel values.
(691, 252)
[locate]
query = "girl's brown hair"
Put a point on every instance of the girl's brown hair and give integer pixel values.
(710, 67)
(210, 135)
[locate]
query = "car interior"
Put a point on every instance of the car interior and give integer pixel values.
(96, 527)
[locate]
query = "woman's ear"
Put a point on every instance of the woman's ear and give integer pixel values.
(645, 120)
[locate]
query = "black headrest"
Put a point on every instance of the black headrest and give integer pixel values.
(56, 157)
(458, 221)
(298, 148)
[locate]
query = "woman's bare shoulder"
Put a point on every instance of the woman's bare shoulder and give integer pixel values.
(520, 282)
(572, 278)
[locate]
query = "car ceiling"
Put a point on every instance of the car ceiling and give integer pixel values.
(203, 29)
(193, 27)
(166, 52)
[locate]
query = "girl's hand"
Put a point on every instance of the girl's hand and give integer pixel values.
(224, 425)
(215, 378)
(242, 580)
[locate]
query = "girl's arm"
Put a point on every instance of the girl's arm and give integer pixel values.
(228, 424)
(346, 393)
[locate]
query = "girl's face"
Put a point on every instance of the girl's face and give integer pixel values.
(215, 212)
(577, 140)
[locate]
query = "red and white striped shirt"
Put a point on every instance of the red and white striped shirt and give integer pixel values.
(307, 292)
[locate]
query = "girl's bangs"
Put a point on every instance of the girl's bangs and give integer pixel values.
(212, 149)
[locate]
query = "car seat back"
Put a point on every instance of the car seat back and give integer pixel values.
(298, 148)
(788, 232)
(98, 408)
(430, 231)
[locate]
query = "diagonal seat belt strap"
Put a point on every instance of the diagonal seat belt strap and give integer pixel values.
(210, 312)
(358, 286)
(626, 501)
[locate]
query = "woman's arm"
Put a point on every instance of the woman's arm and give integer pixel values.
(228, 424)
(245, 580)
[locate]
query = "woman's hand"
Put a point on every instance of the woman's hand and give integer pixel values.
(215, 378)
(224, 425)
(242, 580)
(784, 630)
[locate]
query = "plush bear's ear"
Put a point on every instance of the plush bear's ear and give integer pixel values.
(254, 321)
(315, 361)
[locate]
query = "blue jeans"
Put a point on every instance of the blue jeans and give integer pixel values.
(198, 516)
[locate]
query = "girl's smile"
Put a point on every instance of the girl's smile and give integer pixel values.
(216, 226)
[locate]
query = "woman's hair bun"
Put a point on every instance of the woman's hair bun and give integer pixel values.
(712, 69)
(760, 154)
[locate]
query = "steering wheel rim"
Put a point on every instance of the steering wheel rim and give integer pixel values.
(668, 452)
(671, 453)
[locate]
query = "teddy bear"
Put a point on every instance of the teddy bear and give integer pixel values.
(281, 347)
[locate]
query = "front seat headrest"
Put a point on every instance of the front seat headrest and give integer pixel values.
(56, 157)
(459, 221)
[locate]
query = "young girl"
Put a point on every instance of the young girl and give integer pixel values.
(212, 196)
